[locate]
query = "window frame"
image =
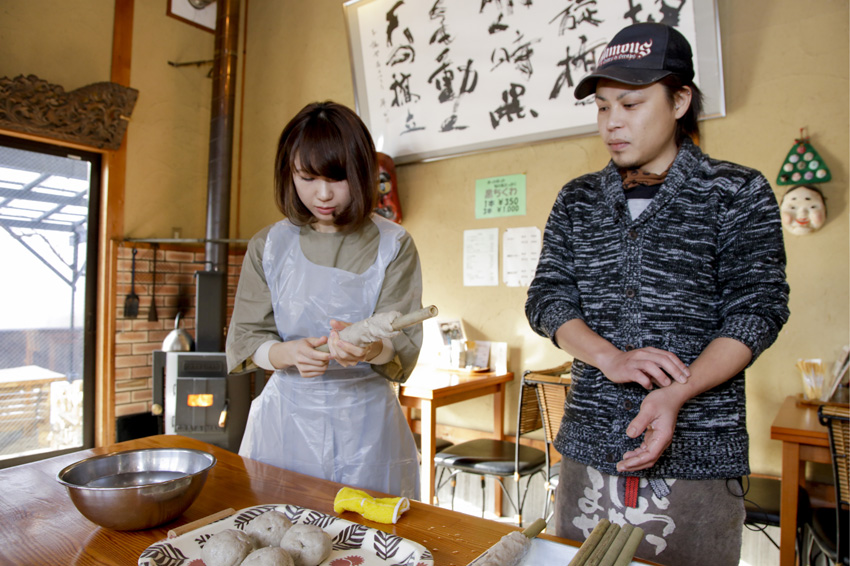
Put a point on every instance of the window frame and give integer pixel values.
(89, 374)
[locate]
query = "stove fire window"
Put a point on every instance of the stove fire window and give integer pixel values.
(203, 401)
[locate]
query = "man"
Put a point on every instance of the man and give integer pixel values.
(663, 275)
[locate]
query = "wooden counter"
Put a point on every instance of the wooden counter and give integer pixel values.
(40, 526)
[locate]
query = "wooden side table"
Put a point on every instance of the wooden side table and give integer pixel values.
(804, 439)
(429, 389)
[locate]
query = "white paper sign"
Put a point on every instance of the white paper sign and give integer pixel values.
(481, 257)
(520, 253)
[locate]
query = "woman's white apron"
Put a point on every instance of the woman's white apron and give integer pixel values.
(346, 425)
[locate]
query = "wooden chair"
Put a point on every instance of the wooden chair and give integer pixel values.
(551, 386)
(829, 529)
(499, 459)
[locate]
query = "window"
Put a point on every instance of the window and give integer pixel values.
(49, 198)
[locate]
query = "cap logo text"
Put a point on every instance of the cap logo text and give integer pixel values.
(625, 52)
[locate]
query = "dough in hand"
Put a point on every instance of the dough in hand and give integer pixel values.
(227, 548)
(269, 556)
(268, 529)
(371, 329)
(309, 545)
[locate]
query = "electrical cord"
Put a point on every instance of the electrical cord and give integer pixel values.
(742, 493)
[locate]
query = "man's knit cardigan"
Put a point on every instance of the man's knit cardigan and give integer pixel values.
(704, 260)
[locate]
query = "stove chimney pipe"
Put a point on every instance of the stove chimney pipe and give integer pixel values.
(211, 291)
(221, 133)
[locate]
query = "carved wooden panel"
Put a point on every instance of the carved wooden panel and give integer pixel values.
(95, 115)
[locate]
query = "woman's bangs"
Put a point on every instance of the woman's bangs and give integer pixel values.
(320, 152)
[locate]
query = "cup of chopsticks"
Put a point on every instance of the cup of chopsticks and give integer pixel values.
(813, 373)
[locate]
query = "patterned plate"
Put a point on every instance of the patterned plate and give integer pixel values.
(353, 544)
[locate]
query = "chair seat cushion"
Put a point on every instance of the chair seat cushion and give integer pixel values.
(491, 457)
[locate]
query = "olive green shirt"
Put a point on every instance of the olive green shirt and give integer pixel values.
(252, 323)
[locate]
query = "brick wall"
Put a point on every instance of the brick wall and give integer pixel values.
(137, 338)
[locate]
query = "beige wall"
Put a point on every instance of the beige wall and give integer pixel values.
(784, 68)
(68, 44)
(168, 143)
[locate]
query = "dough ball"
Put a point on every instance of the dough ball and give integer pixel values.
(268, 529)
(309, 545)
(227, 548)
(269, 556)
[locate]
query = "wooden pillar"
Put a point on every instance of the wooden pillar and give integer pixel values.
(111, 229)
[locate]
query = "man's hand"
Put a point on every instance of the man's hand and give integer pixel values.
(346, 353)
(302, 354)
(644, 366)
(657, 419)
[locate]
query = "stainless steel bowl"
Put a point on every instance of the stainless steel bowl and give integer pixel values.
(136, 489)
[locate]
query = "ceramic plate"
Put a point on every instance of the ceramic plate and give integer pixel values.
(353, 544)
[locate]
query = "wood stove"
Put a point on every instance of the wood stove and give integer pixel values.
(199, 399)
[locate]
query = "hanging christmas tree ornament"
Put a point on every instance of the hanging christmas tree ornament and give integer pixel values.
(803, 164)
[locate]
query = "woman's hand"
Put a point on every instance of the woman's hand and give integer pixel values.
(346, 353)
(302, 354)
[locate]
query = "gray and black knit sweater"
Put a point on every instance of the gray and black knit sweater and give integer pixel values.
(705, 260)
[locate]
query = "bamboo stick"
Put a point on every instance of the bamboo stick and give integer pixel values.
(604, 544)
(415, 317)
(617, 546)
(630, 547)
(590, 543)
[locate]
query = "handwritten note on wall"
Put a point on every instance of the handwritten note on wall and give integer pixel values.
(481, 257)
(441, 77)
(520, 254)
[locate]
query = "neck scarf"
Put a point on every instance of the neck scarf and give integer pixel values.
(635, 177)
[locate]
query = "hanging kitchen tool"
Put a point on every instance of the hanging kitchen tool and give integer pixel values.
(152, 314)
(178, 340)
(131, 301)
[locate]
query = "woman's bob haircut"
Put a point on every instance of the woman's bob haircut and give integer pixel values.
(330, 141)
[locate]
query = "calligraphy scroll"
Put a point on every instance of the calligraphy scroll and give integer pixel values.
(436, 78)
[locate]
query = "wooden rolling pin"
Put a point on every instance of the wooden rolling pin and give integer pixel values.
(401, 322)
(202, 522)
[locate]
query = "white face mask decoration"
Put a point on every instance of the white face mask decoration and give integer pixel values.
(803, 210)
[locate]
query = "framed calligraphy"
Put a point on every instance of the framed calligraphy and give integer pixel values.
(439, 78)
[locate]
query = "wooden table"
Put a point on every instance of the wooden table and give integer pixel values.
(429, 389)
(804, 439)
(40, 526)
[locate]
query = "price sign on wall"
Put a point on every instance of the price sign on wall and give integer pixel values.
(500, 196)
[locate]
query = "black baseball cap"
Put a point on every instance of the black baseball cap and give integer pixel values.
(641, 54)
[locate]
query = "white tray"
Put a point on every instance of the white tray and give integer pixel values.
(353, 544)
